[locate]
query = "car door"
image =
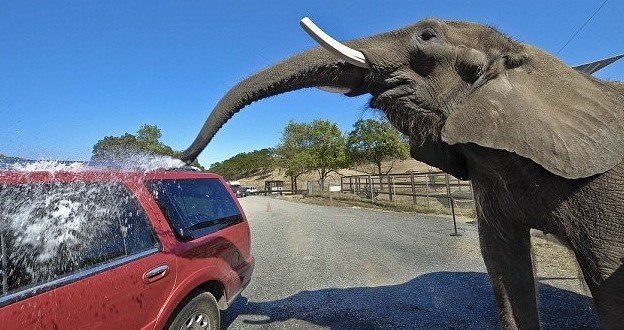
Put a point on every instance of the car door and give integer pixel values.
(120, 279)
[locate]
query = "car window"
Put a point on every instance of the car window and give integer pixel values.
(195, 207)
(49, 230)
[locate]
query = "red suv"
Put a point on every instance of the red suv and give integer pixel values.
(102, 248)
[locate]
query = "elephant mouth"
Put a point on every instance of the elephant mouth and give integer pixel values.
(364, 85)
(409, 114)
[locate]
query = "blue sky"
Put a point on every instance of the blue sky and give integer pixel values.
(72, 72)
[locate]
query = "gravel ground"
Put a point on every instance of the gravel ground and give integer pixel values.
(320, 267)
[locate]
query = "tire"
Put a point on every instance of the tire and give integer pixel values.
(197, 312)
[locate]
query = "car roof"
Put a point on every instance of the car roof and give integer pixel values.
(97, 173)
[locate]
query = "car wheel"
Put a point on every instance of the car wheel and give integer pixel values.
(199, 312)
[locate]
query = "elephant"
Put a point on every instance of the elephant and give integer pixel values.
(541, 142)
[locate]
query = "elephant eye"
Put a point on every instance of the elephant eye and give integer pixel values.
(427, 34)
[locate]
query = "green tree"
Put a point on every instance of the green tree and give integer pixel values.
(327, 146)
(374, 141)
(9, 158)
(146, 141)
(116, 147)
(317, 146)
(149, 134)
(293, 151)
(257, 162)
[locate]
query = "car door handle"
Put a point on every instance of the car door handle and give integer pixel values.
(155, 274)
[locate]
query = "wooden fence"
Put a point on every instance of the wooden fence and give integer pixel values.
(432, 189)
(429, 188)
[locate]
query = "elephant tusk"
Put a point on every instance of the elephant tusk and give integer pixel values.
(350, 55)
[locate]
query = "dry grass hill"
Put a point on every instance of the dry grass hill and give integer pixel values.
(397, 166)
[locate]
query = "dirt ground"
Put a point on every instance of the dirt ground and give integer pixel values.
(554, 264)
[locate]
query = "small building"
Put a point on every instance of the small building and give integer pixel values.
(273, 186)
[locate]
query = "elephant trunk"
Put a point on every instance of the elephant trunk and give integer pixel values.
(313, 68)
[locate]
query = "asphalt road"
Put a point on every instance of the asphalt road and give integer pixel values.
(320, 267)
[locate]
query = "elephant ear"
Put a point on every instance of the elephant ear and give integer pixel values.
(569, 123)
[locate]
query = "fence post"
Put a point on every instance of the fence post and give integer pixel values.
(413, 188)
(450, 198)
(474, 203)
(427, 188)
(371, 189)
(390, 187)
(331, 200)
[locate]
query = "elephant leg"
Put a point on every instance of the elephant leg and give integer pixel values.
(608, 299)
(507, 256)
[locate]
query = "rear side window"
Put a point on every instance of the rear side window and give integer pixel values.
(49, 230)
(195, 207)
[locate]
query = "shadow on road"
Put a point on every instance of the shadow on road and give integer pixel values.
(460, 300)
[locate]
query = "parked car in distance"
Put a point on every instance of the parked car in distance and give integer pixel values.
(114, 249)
(238, 190)
(251, 190)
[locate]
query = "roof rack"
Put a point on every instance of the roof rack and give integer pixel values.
(186, 168)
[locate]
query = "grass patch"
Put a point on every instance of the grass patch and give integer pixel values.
(349, 200)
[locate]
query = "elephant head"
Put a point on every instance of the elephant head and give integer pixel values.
(448, 85)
